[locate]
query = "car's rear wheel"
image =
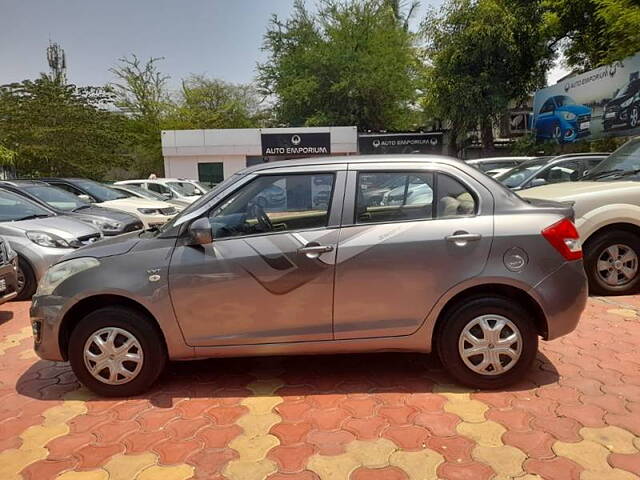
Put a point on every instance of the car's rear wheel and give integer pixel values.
(116, 351)
(611, 262)
(487, 342)
(634, 117)
(26, 280)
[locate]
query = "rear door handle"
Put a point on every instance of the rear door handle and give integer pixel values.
(314, 251)
(461, 238)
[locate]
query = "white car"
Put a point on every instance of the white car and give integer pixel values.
(607, 209)
(138, 192)
(494, 163)
(171, 188)
(151, 212)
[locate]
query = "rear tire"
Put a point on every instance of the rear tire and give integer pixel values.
(596, 255)
(26, 280)
(115, 328)
(504, 366)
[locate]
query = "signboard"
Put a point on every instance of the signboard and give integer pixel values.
(601, 102)
(380, 143)
(283, 144)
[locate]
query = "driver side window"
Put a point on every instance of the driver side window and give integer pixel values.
(272, 203)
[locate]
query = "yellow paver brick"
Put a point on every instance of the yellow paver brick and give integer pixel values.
(338, 467)
(173, 472)
(613, 438)
(371, 454)
(623, 312)
(90, 475)
(14, 339)
(486, 434)
(417, 465)
(506, 461)
(590, 455)
(126, 467)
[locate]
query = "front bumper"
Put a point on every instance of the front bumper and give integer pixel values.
(563, 297)
(8, 274)
(45, 322)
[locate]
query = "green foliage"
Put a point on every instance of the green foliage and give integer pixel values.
(351, 63)
(529, 146)
(481, 54)
(7, 157)
(57, 129)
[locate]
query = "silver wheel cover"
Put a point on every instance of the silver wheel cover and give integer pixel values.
(113, 356)
(490, 345)
(617, 265)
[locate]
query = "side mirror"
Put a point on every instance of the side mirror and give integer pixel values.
(537, 182)
(167, 195)
(86, 198)
(200, 232)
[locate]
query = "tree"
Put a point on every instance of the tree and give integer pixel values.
(481, 54)
(211, 103)
(348, 64)
(141, 94)
(58, 129)
(591, 33)
(403, 11)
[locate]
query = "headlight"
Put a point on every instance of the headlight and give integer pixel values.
(149, 211)
(569, 116)
(627, 102)
(61, 271)
(106, 226)
(47, 240)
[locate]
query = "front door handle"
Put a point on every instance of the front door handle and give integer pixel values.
(313, 250)
(462, 238)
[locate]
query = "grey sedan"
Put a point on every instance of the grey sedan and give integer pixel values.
(471, 271)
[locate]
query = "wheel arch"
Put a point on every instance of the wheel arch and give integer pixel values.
(89, 304)
(612, 227)
(493, 289)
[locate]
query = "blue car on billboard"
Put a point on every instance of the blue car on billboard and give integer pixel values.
(561, 119)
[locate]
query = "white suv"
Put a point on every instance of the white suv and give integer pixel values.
(171, 188)
(607, 207)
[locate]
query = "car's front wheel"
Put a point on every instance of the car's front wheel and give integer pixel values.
(611, 263)
(634, 117)
(26, 280)
(487, 342)
(116, 352)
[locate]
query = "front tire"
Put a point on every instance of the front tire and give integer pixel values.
(27, 283)
(117, 352)
(634, 117)
(487, 342)
(611, 263)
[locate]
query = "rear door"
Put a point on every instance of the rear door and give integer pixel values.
(398, 256)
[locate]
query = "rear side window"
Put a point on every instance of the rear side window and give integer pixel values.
(405, 196)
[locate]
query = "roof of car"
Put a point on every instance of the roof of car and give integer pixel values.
(16, 183)
(412, 158)
(497, 159)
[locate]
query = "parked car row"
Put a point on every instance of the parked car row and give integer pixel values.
(43, 220)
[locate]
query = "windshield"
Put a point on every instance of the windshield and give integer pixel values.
(514, 177)
(624, 162)
(56, 197)
(563, 100)
(15, 207)
(135, 191)
(624, 91)
(100, 192)
(186, 189)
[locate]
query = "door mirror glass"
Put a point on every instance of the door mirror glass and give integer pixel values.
(200, 232)
(86, 198)
(537, 182)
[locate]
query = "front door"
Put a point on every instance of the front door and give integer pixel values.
(411, 236)
(268, 275)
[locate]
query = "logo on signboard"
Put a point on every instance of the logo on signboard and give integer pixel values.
(376, 143)
(295, 140)
(284, 144)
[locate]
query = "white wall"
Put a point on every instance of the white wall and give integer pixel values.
(187, 166)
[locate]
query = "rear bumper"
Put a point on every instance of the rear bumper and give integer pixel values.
(563, 298)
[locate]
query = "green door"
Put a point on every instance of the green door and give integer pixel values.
(210, 173)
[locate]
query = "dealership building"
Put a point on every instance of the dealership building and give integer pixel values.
(212, 155)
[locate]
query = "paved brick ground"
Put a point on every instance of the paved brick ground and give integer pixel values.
(361, 417)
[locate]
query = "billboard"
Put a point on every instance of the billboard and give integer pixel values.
(602, 102)
(387, 143)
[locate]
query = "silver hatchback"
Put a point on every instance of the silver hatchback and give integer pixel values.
(456, 263)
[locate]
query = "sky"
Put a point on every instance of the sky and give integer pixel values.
(219, 38)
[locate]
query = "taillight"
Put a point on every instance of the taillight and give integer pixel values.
(564, 238)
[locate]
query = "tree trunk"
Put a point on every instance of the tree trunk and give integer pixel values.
(486, 132)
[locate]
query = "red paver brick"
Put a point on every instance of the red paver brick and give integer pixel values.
(399, 415)
(15, 426)
(327, 400)
(627, 391)
(365, 428)
(534, 443)
(186, 428)
(360, 407)
(564, 429)
(141, 441)
(558, 468)
(92, 456)
(330, 443)
(628, 462)
(219, 436)
(87, 423)
(559, 394)
(291, 433)
(427, 402)
(114, 431)
(291, 458)
(194, 407)
(174, 451)
(586, 415)
(453, 449)
(156, 418)
(211, 461)
(407, 437)
(587, 386)
(63, 447)
(327, 419)
(629, 421)
(46, 469)
(306, 475)
(466, 471)
(441, 424)
(512, 419)
(388, 473)
(608, 402)
(539, 407)
(227, 415)
(292, 411)
(130, 409)
(494, 399)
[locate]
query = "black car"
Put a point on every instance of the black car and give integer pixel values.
(8, 272)
(624, 109)
(110, 222)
